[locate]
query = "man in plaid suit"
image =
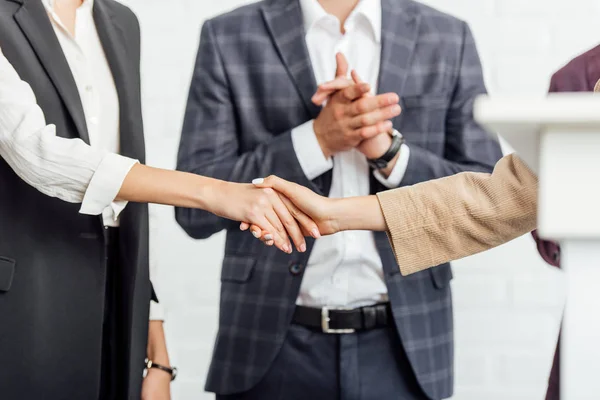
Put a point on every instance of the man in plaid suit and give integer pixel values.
(338, 320)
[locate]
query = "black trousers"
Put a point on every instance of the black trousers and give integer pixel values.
(370, 365)
(113, 384)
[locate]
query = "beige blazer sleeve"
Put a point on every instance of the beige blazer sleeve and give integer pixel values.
(450, 218)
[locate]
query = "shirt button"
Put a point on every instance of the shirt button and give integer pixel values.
(296, 269)
(94, 120)
(89, 88)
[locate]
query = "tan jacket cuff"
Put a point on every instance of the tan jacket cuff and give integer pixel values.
(397, 208)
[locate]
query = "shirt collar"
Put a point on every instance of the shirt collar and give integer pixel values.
(86, 4)
(313, 12)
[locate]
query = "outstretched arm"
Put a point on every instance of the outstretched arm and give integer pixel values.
(71, 170)
(439, 220)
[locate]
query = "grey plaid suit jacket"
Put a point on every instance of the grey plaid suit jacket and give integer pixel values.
(252, 84)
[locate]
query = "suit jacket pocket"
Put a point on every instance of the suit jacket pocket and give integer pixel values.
(237, 268)
(423, 119)
(441, 275)
(430, 100)
(7, 272)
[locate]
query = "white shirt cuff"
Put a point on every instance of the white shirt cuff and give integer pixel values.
(105, 184)
(309, 152)
(397, 174)
(157, 312)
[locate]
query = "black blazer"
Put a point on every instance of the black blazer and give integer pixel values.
(51, 315)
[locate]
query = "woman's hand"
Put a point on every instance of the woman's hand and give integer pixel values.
(300, 201)
(266, 210)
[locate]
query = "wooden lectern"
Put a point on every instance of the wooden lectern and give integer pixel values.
(558, 136)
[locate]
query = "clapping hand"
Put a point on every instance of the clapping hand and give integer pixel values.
(352, 117)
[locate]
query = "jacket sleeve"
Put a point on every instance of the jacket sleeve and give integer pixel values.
(457, 216)
(468, 146)
(210, 144)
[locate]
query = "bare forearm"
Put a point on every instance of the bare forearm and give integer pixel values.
(157, 344)
(145, 184)
(359, 213)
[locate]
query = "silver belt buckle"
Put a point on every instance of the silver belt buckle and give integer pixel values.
(325, 322)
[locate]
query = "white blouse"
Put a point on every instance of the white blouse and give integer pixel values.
(65, 168)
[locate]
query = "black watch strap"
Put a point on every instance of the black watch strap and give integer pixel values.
(382, 162)
(169, 370)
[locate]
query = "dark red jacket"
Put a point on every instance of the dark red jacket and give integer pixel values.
(579, 75)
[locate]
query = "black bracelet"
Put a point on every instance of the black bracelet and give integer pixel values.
(170, 370)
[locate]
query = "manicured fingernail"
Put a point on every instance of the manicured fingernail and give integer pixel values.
(396, 109)
(302, 248)
(258, 181)
(270, 243)
(315, 233)
(268, 237)
(286, 248)
(256, 234)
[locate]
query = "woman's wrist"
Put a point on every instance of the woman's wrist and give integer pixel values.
(359, 213)
(209, 194)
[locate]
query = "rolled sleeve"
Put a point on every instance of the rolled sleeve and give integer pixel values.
(105, 185)
(309, 152)
(397, 174)
(157, 312)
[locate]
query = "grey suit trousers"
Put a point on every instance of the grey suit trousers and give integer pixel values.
(370, 365)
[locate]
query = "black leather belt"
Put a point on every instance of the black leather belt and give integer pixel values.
(335, 320)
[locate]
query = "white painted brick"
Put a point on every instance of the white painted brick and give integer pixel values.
(537, 292)
(492, 294)
(504, 328)
(475, 369)
(522, 370)
(498, 393)
(529, 8)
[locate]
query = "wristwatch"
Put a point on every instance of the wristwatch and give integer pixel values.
(383, 161)
(169, 370)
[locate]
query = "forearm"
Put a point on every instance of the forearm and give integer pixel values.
(273, 157)
(146, 184)
(457, 216)
(359, 213)
(157, 344)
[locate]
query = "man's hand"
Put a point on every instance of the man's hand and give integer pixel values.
(372, 148)
(349, 117)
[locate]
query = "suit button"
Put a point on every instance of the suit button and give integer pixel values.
(296, 269)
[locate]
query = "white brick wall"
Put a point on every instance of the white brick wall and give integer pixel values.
(508, 303)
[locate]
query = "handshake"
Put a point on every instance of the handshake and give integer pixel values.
(275, 210)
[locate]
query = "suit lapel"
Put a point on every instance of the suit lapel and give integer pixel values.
(399, 33)
(285, 25)
(35, 24)
(113, 42)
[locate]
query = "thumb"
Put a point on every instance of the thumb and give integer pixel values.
(342, 65)
(289, 189)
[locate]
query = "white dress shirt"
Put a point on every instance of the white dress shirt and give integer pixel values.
(97, 91)
(67, 169)
(344, 270)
